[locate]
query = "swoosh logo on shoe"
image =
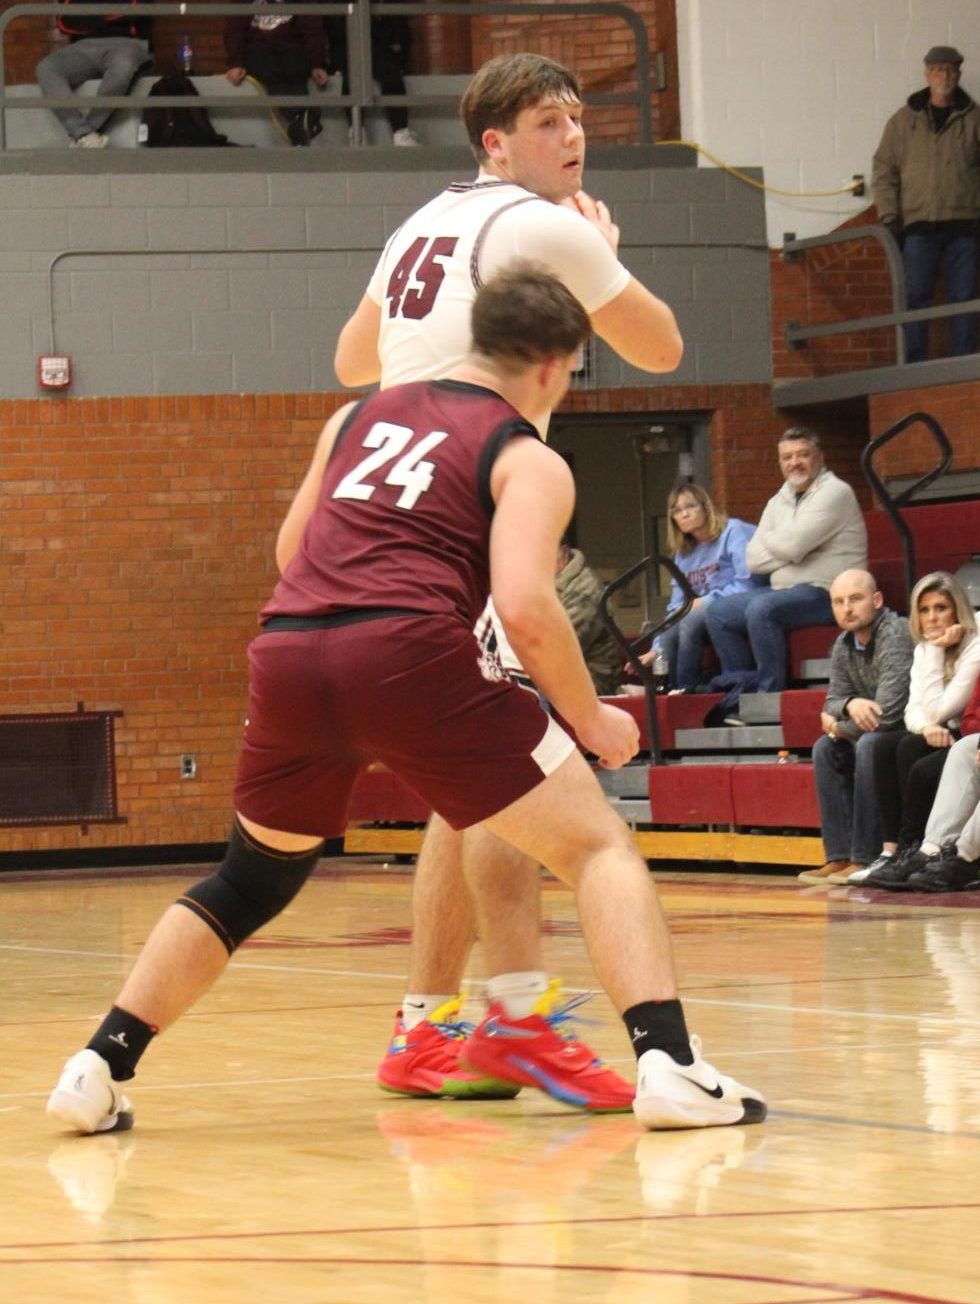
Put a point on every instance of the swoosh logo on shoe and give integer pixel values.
(716, 1092)
(494, 1028)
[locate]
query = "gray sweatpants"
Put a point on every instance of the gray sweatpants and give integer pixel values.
(955, 813)
(115, 59)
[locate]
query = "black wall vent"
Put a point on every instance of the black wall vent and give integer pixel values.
(58, 768)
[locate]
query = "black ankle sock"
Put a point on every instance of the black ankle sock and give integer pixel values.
(659, 1025)
(121, 1039)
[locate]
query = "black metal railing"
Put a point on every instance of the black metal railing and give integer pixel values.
(631, 649)
(892, 502)
(361, 94)
(797, 336)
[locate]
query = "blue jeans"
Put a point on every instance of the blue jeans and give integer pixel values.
(749, 629)
(845, 781)
(116, 59)
(683, 644)
(922, 253)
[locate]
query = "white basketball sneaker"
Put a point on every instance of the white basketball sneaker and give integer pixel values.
(671, 1095)
(87, 1099)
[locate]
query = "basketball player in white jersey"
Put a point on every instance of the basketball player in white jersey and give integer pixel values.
(523, 116)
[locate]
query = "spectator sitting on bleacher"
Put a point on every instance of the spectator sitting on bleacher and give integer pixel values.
(282, 52)
(710, 550)
(908, 764)
(579, 589)
(810, 531)
(391, 42)
(869, 685)
(112, 47)
(947, 860)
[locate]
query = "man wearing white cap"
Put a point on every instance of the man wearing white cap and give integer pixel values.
(926, 186)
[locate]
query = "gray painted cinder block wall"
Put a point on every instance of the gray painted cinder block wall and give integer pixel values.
(285, 246)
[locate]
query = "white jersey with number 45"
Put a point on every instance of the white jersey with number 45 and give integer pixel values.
(433, 265)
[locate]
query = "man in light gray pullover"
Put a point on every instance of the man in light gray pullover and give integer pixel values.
(810, 531)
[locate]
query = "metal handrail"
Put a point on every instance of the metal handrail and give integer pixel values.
(891, 503)
(361, 94)
(797, 335)
(631, 650)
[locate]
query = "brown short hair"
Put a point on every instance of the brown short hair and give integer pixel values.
(524, 314)
(507, 84)
(677, 539)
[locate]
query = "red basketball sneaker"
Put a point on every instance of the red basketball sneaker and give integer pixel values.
(424, 1061)
(541, 1051)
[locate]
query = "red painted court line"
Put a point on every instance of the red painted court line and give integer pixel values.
(841, 1292)
(495, 1225)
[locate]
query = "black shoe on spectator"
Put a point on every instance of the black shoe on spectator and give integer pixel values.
(314, 123)
(947, 872)
(896, 871)
(296, 131)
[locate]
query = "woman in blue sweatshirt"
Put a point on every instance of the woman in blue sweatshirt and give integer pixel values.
(710, 549)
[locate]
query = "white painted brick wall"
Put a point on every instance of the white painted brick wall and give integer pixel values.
(802, 88)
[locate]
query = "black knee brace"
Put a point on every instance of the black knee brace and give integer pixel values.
(250, 887)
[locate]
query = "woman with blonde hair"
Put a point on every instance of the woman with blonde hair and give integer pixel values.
(710, 550)
(908, 763)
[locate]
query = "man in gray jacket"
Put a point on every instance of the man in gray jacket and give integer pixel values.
(810, 531)
(870, 669)
(926, 186)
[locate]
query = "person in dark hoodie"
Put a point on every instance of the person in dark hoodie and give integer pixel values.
(282, 52)
(925, 182)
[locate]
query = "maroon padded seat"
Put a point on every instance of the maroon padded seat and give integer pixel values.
(691, 794)
(684, 711)
(799, 715)
(808, 643)
(775, 796)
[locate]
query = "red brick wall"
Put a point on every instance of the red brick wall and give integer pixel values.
(138, 540)
(601, 51)
(138, 543)
(744, 427)
(955, 407)
(831, 284)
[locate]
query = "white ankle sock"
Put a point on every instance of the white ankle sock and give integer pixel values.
(415, 1008)
(518, 992)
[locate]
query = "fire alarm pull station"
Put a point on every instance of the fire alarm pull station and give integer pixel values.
(54, 372)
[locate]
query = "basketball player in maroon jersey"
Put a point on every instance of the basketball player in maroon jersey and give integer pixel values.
(419, 501)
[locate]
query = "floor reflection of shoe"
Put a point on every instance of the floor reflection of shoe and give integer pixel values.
(87, 1099)
(88, 1172)
(541, 1051)
(434, 1135)
(425, 1061)
(675, 1165)
(672, 1095)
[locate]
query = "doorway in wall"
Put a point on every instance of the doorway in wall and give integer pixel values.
(624, 466)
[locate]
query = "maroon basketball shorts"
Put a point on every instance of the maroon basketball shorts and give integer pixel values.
(406, 691)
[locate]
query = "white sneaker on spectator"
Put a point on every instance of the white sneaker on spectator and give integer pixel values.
(87, 1098)
(91, 140)
(406, 136)
(672, 1095)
